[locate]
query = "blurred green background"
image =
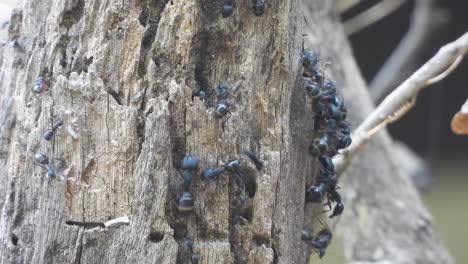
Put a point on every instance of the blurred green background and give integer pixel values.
(448, 204)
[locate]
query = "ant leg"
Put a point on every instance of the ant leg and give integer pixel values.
(328, 203)
(40, 165)
(226, 118)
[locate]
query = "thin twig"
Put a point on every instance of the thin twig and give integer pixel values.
(371, 15)
(446, 59)
(446, 72)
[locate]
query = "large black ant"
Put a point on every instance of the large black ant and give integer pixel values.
(259, 7)
(49, 134)
(189, 165)
(309, 61)
(334, 196)
(320, 145)
(316, 192)
(42, 161)
(326, 186)
(228, 7)
(40, 85)
(188, 250)
(320, 241)
(233, 168)
(327, 163)
(222, 108)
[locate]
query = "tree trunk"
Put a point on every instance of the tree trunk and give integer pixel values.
(121, 75)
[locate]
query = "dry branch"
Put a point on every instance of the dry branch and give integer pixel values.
(402, 98)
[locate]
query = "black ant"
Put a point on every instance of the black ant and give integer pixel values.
(344, 142)
(185, 204)
(334, 196)
(345, 128)
(40, 85)
(200, 94)
(51, 133)
(326, 184)
(312, 88)
(320, 241)
(195, 258)
(189, 165)
(43, 161)
(259, 7)
(319, 146)
(316, 192)
(222, 108)
(212, 173)
(327, 163)
(309, 61)
(228, 8)
(233, 168)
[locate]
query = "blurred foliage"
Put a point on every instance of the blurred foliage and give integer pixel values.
(448, 204)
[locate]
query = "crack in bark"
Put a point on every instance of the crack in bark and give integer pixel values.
(79, 252)
(149, 17)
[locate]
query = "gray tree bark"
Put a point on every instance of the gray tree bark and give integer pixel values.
(121, 76)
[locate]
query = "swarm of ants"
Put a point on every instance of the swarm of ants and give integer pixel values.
(331, 133)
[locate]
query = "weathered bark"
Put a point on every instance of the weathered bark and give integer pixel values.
(121, 75)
